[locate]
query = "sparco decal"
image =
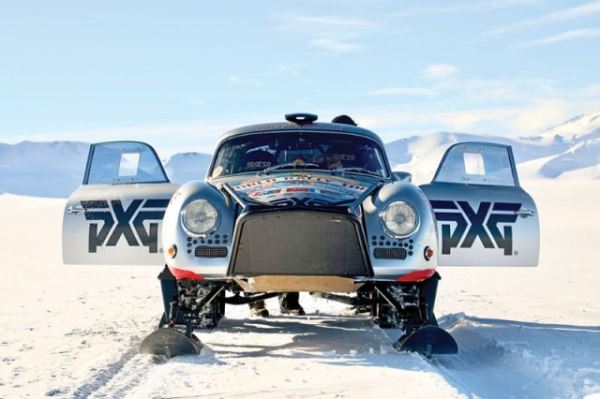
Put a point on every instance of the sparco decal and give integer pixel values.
(108, 227)
(474, 225)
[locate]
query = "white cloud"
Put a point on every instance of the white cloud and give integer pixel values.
(292, 69)
(582, 10)
(234, 79)
(306, 22)
(591, 90)
(437, 71)
(542, 114)
(335, 34)
(403, 91)
(334, 45)
(569, 35)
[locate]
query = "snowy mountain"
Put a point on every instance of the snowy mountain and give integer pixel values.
(570, 150)
(48, 169)
(187, 166)
(581, 127)
(421, 155)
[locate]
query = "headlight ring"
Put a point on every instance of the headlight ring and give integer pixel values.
(400, 219)
(199, 218)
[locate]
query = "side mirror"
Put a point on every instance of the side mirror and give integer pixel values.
(403, 176)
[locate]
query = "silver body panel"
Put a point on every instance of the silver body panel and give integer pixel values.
(361, 196)
(83, 238)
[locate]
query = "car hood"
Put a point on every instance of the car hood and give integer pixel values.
(302, 190)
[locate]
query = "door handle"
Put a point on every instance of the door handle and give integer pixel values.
(524, 212)
(75, 210)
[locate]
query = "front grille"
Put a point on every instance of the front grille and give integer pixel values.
(210, 252)
(389, 253)
(299, 242)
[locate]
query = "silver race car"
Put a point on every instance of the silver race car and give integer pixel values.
(301, 206)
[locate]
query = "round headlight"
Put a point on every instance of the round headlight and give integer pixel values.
(400, 219)
(200, 217)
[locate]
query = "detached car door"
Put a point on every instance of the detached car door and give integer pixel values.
(483, 216)
(114, 217)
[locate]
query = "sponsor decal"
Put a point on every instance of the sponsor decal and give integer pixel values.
(321, 189)
(258, 164)
(472, 224)
(107, 228)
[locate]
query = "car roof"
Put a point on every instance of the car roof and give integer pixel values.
(285, 127)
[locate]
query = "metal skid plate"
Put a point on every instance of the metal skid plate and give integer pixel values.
(170, 342)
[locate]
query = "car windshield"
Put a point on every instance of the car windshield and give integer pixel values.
(266, 152)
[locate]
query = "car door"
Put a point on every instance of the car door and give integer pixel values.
(114, 217)
(483, 215)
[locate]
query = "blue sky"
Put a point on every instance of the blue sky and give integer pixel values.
(178, 74)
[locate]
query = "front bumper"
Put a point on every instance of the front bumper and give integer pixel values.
(309, 241)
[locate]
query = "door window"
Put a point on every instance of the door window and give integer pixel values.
(472, 163)
(122, 163)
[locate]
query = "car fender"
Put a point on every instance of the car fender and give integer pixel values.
(415, 244)
(173, 232)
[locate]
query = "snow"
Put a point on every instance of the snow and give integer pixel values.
(72, 331)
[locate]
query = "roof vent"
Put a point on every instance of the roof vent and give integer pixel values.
(344, 120)
(301, 118)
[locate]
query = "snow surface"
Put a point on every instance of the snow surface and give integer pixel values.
(72, 331)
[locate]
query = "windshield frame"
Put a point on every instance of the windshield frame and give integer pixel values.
(379, 146)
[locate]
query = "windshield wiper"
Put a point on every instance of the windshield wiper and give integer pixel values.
(291, 165)
(358, 170)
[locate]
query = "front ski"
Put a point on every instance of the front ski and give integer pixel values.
(170, 342)
(428, 341)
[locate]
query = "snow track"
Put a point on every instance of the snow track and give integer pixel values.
(115, 379)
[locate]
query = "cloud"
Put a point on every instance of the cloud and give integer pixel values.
(582, 10)
(542, 114)
(403, 91)
(335, 34)
(457, 7)
(292, 69)
(305, 22)
(569, 35)
(438, 71)
(234, 79)
(335, 45)
(591, 90)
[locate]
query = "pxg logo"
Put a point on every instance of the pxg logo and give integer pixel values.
(131, 230)
(474, 226)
